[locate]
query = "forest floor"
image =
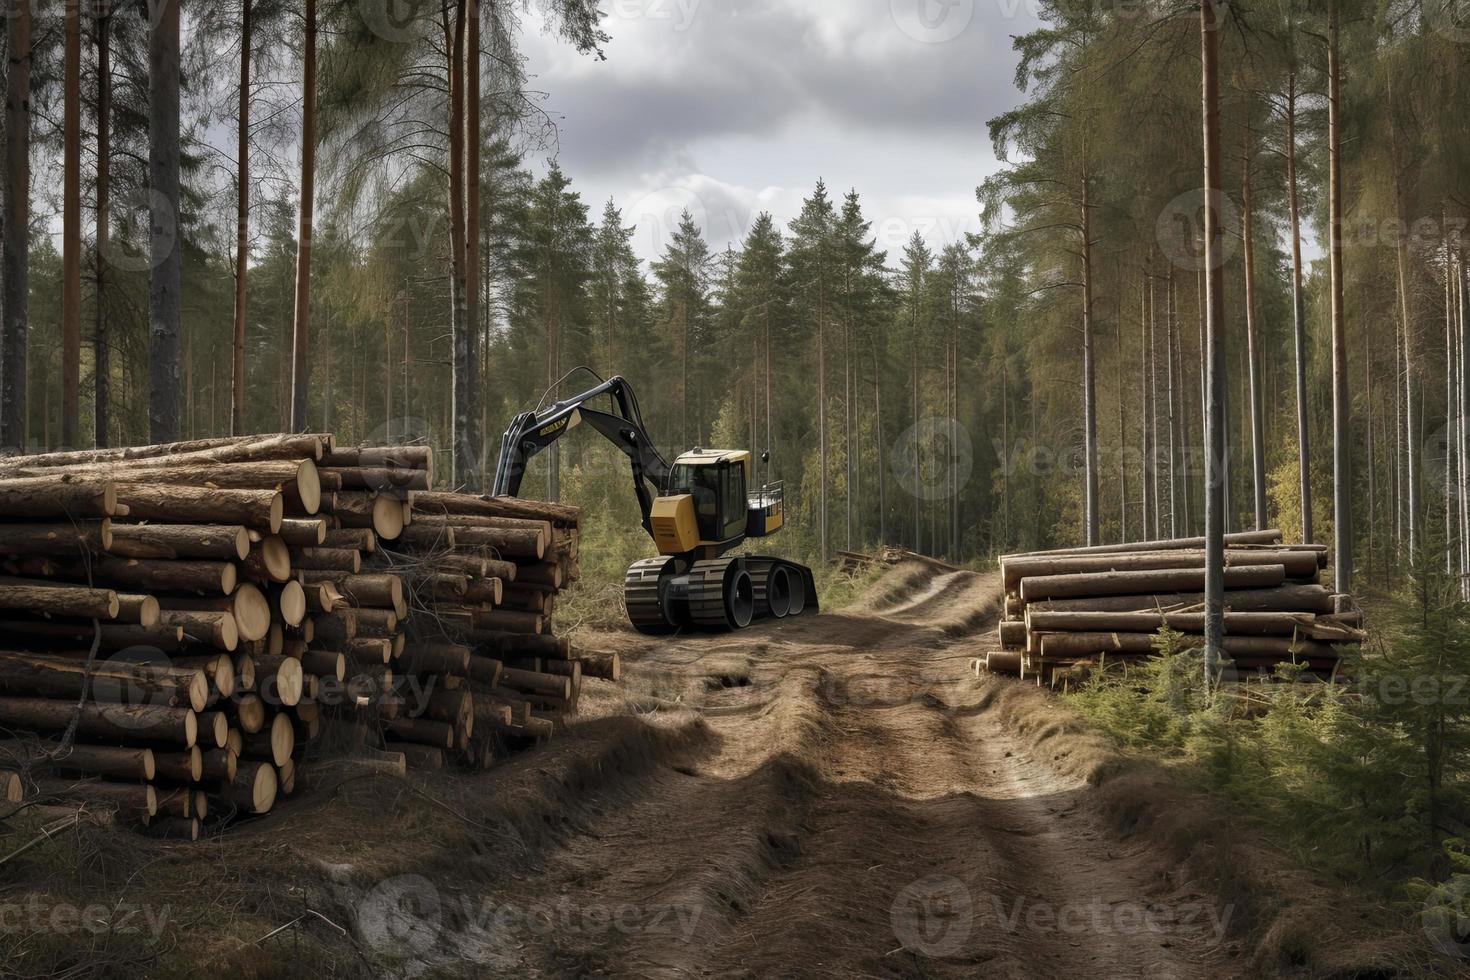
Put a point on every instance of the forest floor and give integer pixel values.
(832, 795)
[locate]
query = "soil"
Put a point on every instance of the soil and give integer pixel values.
(834, 795)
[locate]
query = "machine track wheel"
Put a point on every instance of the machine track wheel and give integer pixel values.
(721, 596)
(646, 596)
(772, 584)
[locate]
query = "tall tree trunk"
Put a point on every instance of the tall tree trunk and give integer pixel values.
(166, 279)
(1299, 315)
(242, 229)
(461, 370)
(822, 414)
(468, 389)
(14, 283)
(1253, 346)
(1341, 473)
(301, 320)
(101, 341)
(1464, 407)
(71, 226)
(878, 442)
(1215, 347)
(1150, 475)
(1089, 375)
(1451, 411)
(1175, 395)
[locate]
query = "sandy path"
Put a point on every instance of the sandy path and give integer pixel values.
(844, 806)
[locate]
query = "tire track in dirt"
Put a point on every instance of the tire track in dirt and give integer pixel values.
(850, 807)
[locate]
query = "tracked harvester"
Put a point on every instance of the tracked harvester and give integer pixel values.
(697, 511)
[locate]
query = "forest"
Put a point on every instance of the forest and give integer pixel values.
(1040, 383)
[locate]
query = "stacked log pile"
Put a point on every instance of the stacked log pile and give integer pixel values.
(179, 621)
(1066, 611)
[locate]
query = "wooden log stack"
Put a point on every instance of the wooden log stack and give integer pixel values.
(179, 621)
(1067, 611)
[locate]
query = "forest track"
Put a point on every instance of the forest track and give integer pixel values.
(827, 796)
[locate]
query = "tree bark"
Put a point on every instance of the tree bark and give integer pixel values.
(301, 318)
(1298, 311)
(1341, 473)
(1215, 576)
(102, 341)
(71, 225)
(166, 278)
(242, 228)
(1089, 375)
(221, 543)
(128, 723)
(14, 283)
(1253, 344)
(1044, 587)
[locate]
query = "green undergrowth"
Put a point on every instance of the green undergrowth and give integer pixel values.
(1365, 780)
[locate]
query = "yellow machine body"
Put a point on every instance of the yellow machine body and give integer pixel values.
(675, 529)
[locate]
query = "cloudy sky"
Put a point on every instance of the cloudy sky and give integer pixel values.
(732, 107)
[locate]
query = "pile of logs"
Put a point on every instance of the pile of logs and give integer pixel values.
(181, 621)
(1067, 611)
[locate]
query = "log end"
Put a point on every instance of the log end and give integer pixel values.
(309, 486)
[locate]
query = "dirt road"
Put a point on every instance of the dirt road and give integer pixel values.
(826, 796)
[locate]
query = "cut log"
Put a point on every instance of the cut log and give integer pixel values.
(1298, 564)
(532, 682)
(510, 620)
(559, 515)
(221, 542)
(268, 562)
(1073, 645)
(149, 575)
(58, 600)
(289, 602)
(430, 539)
(181, 767)
(370, 650)
(279, 680)
(217, 629)
(382, 513)
(1044, 587)
(394, 480)
(507, 542)
(260, 509)
(436, 658)
(58, 497)
(131, 801)
(137, 610)
(397, 457)
(362, 539)
(303, 532)
(249, 713)
(1270, 537)
(56, 540)
(1236, 623)
(126, 723)
(114, 762)
(253, 790)
(503, 644)
(38, 675)
(325, 663)
(326, 560)
(1288, 598)
(273, 744)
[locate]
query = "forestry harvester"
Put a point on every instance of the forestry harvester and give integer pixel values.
(697, 511)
